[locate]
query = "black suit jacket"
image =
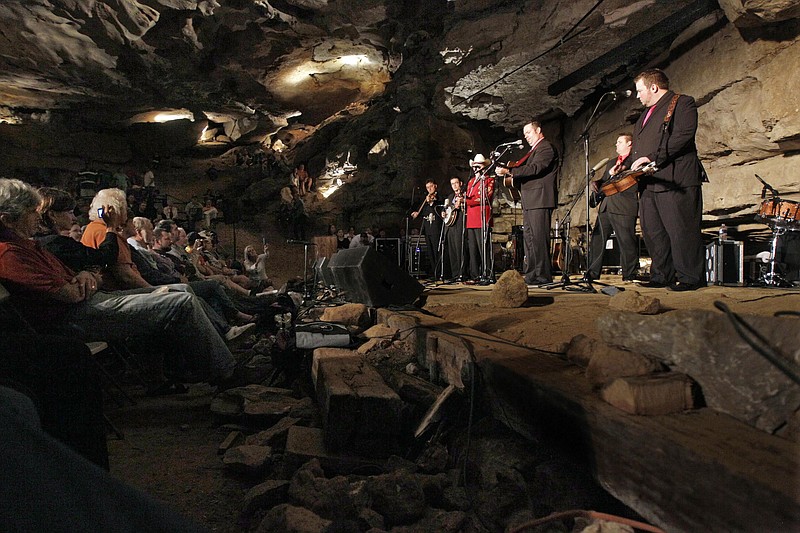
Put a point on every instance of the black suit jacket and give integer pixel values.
(622, 203)
(673, 150)
(537, 179)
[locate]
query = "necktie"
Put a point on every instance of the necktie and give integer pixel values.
(647, 116)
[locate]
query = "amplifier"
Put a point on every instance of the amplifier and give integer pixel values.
(725, 263)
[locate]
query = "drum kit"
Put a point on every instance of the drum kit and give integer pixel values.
(781, 216)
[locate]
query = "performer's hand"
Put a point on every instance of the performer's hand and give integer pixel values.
(642, 161)
(415, 214)
(501, 171)
(616, 169)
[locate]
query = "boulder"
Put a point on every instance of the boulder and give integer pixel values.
(268, 437)
(398, 496)
(510, 290)
(348, 315)
(608, 363)
(635, 302)
(248, 459)
(265, 495)
(291, 519)
(329, 498)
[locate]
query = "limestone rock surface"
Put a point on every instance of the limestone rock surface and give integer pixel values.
(734, 378)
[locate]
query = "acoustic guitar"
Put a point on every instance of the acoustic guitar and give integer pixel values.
(620, 182)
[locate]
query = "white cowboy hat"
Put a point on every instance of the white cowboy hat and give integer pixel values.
(479, 160)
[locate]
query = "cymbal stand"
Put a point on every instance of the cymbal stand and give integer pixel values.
(772, 278)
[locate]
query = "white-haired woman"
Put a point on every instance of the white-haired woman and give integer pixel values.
(122, 274)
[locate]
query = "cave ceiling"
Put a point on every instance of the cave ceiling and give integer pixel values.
(304, 61)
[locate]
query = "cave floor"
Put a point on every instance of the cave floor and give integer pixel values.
(170, 444)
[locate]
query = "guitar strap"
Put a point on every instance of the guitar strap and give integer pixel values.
(667, 120)
(671, 110)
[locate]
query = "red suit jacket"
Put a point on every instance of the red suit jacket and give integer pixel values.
(472, 199)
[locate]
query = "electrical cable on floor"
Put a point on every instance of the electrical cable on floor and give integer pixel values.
(589, 515)
(566, 38)
(750, 335)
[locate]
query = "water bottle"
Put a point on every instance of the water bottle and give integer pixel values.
(723, 233)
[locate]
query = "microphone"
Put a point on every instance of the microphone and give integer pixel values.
(600, 165)
(512, 143)
(293, 241)
(621, 94)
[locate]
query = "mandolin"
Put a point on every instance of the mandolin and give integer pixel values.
(620, 182)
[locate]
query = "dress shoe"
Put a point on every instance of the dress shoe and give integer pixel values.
(681, 286)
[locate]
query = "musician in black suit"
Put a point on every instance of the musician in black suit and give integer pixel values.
(618, 213)
(430, 211)
(454, 231)
(537, 179)
(671, 202)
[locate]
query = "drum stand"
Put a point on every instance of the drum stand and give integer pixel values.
(772, 278)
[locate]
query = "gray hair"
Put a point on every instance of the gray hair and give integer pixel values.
(17, 198)
(140, 223)
(109, 197)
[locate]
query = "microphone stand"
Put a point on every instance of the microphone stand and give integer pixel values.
(585, 284)
(486, 277)
(409, 258)
(440, 277)
(306, 293)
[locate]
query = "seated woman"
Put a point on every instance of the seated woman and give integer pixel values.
(256, 266)
(204, 270)
(58, 217)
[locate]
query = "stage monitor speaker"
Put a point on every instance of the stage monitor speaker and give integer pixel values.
(390, 248)
(364, 276)
(322, 269)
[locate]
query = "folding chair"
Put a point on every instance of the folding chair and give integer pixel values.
(95, 348)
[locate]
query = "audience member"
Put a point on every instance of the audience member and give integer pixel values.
(255, 265)
(54, 298)
(194, 213)
(209, 215)
(342, 241)
(122, 274)
(57, 218)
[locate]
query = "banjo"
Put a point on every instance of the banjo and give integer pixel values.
(450, 213)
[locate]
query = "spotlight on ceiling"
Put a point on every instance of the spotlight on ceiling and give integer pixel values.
(354, 59)
(169, 116)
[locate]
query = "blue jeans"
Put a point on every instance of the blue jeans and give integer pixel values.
(176, 317)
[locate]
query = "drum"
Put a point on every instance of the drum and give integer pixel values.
(779, 212)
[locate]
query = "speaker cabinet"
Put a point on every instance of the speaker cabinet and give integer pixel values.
(725, 263)
(362, 275)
